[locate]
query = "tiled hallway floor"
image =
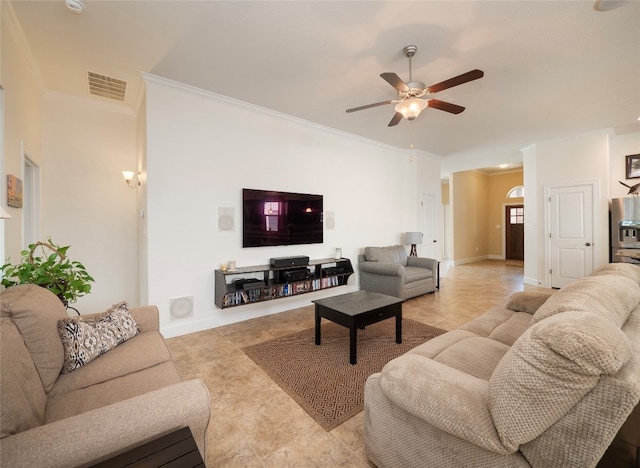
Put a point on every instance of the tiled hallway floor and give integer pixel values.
(256, 424)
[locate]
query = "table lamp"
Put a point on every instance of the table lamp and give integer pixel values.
(413, 238)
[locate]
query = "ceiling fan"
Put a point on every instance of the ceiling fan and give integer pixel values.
(409, 103)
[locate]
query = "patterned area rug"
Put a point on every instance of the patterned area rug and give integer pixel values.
(320, 378)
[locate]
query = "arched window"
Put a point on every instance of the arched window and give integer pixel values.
(516, 192)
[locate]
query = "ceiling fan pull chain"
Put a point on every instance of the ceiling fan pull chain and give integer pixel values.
(411, 138)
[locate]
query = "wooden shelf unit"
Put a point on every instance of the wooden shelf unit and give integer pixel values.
(321, 274)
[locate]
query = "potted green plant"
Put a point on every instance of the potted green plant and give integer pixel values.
(67, 279)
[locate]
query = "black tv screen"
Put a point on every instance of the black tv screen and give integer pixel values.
(280, 218)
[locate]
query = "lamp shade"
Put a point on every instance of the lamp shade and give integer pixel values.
(413, 238)
(411, 108)
(128, 175)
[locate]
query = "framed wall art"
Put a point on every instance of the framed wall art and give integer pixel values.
(14, 191)
(633, 166)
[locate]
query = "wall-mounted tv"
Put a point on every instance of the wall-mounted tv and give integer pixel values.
(280, 218)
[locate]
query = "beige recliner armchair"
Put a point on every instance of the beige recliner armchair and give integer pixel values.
(390, 271)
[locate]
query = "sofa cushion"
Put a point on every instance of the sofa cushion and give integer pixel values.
(36, 311)
(607, 295)
(476, 356)
(392, 254)
(22, 397)
(527, 301)
(413, 274)
(499, 324)
(81, 400)
(510, 330)
(433, 347)
(122, 360)
(86, 339)
(549, 369)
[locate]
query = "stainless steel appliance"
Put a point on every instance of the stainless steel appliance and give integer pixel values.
(625, 230)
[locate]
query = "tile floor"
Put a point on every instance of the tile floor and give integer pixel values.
(256, 424)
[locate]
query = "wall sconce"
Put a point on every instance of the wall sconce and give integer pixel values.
(4, 214)
(131, 178)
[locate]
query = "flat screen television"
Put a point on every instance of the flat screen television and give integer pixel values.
(280, 218)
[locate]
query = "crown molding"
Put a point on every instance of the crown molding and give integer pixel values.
(148, 77)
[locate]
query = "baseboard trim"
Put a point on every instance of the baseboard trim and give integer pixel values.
(470, 260)
(532, 282)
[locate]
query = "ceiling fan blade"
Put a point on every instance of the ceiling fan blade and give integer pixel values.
(397, 117)
(369, 106)
(395, 81)
(455, 81)
(445, 106)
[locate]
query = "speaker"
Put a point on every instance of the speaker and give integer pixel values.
(282, 262)
(225, 219)
(330, 219)
(180, 307)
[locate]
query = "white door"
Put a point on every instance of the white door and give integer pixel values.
(571, 233)
(427, 225)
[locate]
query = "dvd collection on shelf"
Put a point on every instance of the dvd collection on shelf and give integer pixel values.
(280, 290)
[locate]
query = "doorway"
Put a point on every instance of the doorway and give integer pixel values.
(514, 232)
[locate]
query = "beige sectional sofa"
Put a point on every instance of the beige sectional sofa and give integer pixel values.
(546, 381)
(125, 397)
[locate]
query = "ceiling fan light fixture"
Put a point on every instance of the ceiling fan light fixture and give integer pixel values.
(411, 108)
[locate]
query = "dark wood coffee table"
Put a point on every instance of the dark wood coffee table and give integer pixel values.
(357, 310)
(176, 449)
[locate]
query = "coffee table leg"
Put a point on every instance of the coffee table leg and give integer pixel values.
(318, 337)
(353, 337)
(399, 327)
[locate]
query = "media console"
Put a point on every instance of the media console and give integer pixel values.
(241, 286)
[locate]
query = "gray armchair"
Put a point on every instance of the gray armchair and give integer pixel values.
(390, 271)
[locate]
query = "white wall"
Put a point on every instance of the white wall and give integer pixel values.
(202, 149)
(579, 158)
(80, 150)
(86, 203)
(23, 91)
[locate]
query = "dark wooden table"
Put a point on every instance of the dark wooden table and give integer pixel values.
(357, 310)
(177, 449)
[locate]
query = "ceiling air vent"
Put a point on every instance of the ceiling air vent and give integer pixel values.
(106, 86)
